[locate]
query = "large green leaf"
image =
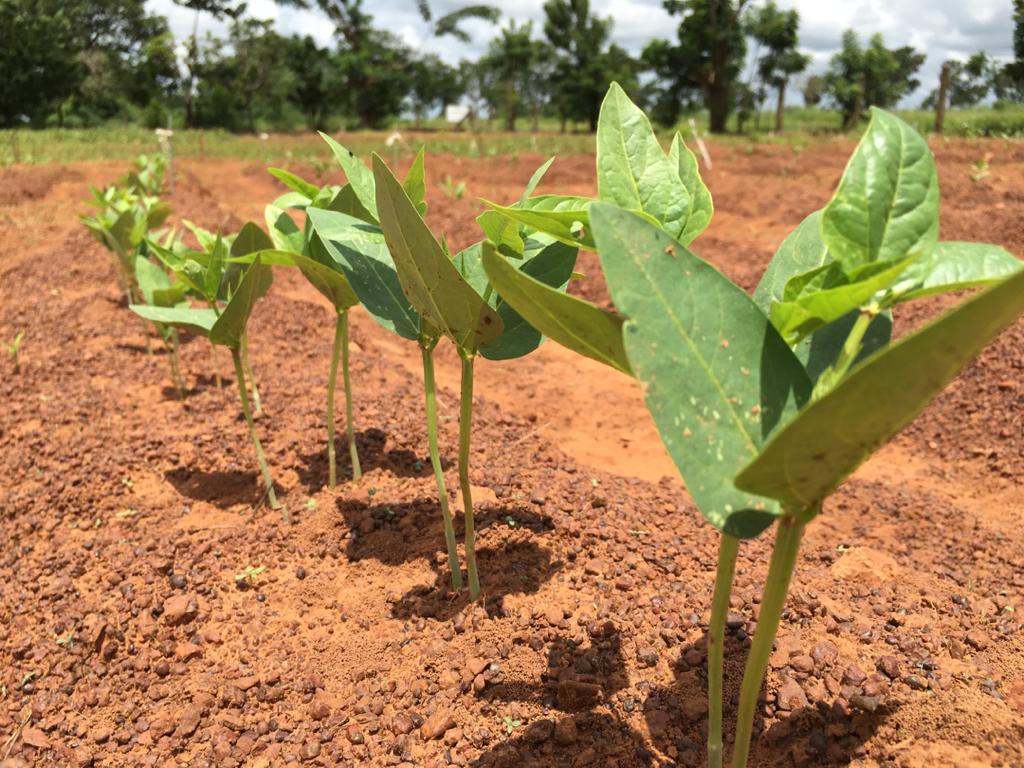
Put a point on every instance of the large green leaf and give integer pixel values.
(360, 178)
(250, 238)
(194, 319)
(699, 208)
(717, 376)
(551, 267)
(812, 454)
(953, 266)
(572, 322)
(886, 207)
(230, 326)
(429, 278)
(150, 278)
(362, 254)
(632, 169)
(535, 179)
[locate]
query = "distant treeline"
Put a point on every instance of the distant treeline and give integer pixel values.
(88, 62)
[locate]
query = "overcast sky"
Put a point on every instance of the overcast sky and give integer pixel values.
(941, 28)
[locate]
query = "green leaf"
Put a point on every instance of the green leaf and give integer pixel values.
(250, 239)
(156, 215)
(291, 200)
(717, 376)
(360, 178)
(326, 275)
(362, 254)
(886, 207)
(535, 179)
(953, 266)
(415, 185)
(803, 250)
(295, 183)
(230, 326)
(809, 457)
(194, 319)
(573, 323)
(284, 232)
(813, 300)
(699, 207)
(503, 232)
(571, 227)
(632, 169)
(150, 278)
(429, 278)
(551, 267)
(345, 201)
(204, 237)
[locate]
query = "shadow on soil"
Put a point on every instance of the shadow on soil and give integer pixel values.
(222, 489)
(587, 727)
(509, 558)
(371, 443)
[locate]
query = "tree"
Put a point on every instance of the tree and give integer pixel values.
(587, 64)
(259, 70)
(310, 86)
(969, 82)
(708, 54)
(508, 60)
(859, 77)
(39, 48)
(813, 90)
(218, 9)
(432, 83)
(1009, 81)
(776, 33)
(450, 23)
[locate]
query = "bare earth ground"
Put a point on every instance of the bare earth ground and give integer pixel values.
(124, 640)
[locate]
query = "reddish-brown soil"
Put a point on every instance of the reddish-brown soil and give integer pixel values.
(125, 641)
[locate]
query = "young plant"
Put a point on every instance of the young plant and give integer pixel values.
(353, 238)
(453, 190)
(796, 384)
(302, 248)
(158, 290)
(227, 328)
(13, 346)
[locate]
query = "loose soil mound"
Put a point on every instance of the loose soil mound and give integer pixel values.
(125, 638)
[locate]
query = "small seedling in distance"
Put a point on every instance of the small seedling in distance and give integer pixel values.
(13, 347)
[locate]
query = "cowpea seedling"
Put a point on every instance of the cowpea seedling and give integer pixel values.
(13, 347)
(158, 290)
(455, 296)
(733, 391)
(354, 240)
(227, 328)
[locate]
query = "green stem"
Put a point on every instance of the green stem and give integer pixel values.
(847, 355)
(332, 462)
(172, 350)
(257, 406)
(728, 548)
(267, 479)
(430, 391)
(780, 571)
(465, 432)
(353, 452)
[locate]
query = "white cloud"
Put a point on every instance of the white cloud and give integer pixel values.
(941, 28)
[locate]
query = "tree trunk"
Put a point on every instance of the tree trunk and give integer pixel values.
(536, 116)
(564, 121)
(510, 121)
(780, 106)
(717, 96)
(419, 116)
(940, 106)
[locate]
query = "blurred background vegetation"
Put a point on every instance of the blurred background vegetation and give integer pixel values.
(69, 67)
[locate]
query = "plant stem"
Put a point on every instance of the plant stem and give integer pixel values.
(172, 349)
(267, 479)
(780, 571)
(465, 432)
(332, 462)
(728, 548)
(430, 391)
(353, 452)
(847, 355)
(257, 406)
